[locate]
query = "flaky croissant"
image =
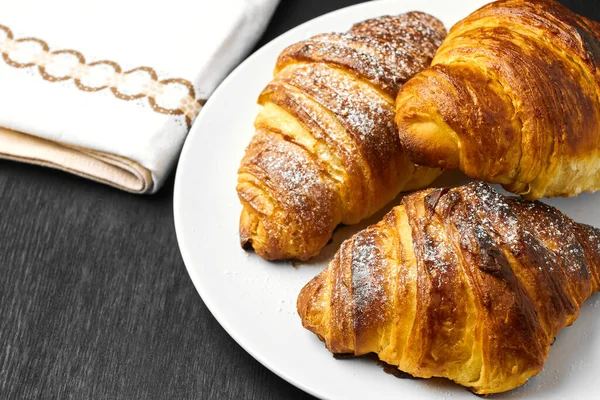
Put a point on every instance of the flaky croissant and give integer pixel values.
(512, 97)
(458, 283)
(326, 150)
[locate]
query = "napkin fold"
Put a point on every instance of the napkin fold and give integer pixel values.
(109, 90)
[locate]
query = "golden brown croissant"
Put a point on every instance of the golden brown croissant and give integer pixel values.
(458, 283)
(326, 150)
(512, 97)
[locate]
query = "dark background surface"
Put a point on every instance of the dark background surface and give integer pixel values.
(95, 301)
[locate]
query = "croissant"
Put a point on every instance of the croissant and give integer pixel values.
(459, 283)
(326, 149)
(512, 97)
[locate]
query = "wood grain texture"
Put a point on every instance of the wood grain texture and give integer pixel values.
(95, 301)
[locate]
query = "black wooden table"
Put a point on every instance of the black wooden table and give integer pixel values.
(95, 301)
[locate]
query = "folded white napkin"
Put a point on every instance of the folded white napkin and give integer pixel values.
(109, 89)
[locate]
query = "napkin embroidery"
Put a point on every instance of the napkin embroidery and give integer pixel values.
(173, 96)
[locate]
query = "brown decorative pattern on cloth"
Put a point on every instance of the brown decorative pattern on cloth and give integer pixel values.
(111, 74)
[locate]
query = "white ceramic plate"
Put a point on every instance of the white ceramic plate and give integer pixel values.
(255, 300)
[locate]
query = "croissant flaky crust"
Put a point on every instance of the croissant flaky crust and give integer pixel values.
(512, 97)
(459, 283)
(326, 149)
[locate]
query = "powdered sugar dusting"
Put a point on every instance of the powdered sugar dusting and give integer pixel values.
(493, 211)
(295, 185)
(362, 111)
(368, 273)
(293, 173)
(414, 27)
(387, 51)
(438, 254)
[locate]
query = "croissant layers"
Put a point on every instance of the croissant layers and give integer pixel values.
(326, 149)
(512, 97)
(458, 283)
